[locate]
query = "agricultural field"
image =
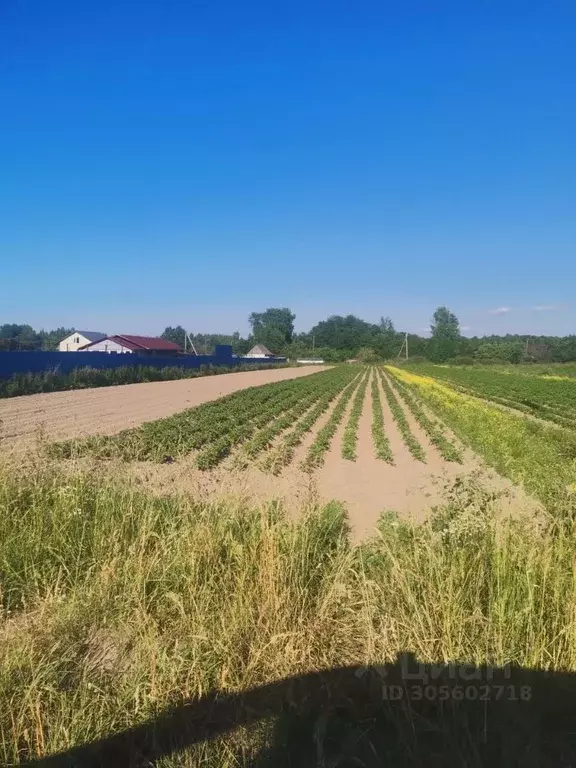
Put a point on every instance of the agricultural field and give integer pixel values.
(258, 534)
(372, 437)
(106, 410)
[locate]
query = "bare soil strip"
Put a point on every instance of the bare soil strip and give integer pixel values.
(106, 410)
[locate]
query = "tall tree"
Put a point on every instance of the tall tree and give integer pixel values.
(386, 325)
(175, 335)
(274, 327)
(445, 325)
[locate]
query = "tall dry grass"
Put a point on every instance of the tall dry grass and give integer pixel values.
(116, 603)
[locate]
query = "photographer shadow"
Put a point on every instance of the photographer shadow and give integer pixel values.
(400, 714)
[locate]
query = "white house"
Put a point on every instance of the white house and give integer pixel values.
(122, 344)
(259, 351)
(79, 339)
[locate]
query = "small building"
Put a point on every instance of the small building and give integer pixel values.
(79, 339)
(259, 351)
(310, 361)
(121, 344)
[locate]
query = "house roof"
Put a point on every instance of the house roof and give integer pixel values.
(263, 350)
(90, 335)
(145, 342)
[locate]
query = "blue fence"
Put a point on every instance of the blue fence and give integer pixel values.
(64, 362)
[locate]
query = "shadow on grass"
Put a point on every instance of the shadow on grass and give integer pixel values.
(401, 714)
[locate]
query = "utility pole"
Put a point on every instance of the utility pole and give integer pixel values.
(189, 343)
(404, 347)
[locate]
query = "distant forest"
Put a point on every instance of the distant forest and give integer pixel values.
(341, 338)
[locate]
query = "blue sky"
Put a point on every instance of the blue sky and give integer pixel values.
(190, 162)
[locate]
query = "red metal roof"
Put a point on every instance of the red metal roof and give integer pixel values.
(145, 342)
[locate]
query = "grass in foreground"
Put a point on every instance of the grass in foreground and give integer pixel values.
(116, 604)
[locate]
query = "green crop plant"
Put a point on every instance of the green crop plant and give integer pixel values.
(402, 422)
(350, 436)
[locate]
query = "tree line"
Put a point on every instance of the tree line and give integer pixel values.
(340, 338)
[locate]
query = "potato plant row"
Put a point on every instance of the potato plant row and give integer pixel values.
(432, 428)
(279, 414)
(283, 454)
(382, 449)
(402, 422)
(212, 428)
(547, 398)
(350, 437)
(316, 453)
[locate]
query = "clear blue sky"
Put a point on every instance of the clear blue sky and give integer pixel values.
(188, 162)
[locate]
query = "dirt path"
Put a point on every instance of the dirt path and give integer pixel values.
(106, 410)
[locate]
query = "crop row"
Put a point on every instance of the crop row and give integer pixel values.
(316, 453)
(433, 429)
(212, 428)
(303, 406)
(542, 458)
(547, 398)
(276, 459)
(402, 422)
(382, 449)
(350, 437)
(546, 412)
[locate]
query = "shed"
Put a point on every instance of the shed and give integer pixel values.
(260, 351)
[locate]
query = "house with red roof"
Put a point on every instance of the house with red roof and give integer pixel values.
(123, 344)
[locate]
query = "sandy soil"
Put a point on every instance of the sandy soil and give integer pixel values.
(106, 410)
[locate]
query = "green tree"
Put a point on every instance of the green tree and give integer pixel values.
(274, 327)
(175, 335)
(15, 337)
(368, 355)
(507, 351)
(49, 340)
(346, 333)
(445, 325)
